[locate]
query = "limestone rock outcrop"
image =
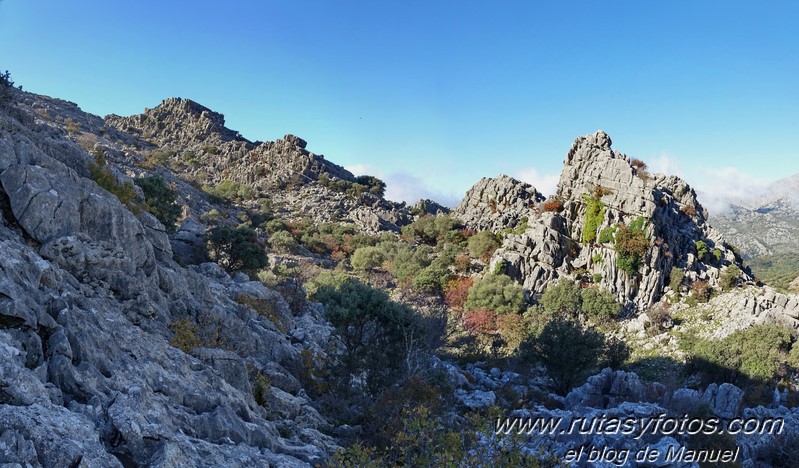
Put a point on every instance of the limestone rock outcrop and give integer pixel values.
(91, 303)
(498, 203)
(554, 243)
(194, 142)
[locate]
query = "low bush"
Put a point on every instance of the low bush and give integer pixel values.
(553, 205)
(498, 293)
(160, 200)
(456, 291)
(236, 248)
(430, 229)
(729, 277)
(125, 192)
(676, 278)
(631, 245)
(480, 321)
(482, 245)
(753, 354)
(562, 299)
(599, 305)
(367, 258)
(230, 191)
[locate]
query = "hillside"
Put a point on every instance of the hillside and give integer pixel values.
(765, 229)
(174, 294)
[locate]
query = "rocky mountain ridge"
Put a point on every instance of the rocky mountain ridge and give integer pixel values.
(89, 291)
(559, 239)
(766, 224)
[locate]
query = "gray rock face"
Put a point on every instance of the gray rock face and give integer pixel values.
(201, 148)
(498, 203)
(608, 389)
(552, 246)
(89, 297)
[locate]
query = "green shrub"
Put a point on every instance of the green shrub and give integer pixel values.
(185, 335)
(367, 321)
(701, 250)
(498, 293)
(407, 263)
(594, 215)
(562, 299)
(125, 192)
(230, 191)
(159, 157)
(482, 245)
(599, 305)
(631, 245)
(367, 258)
(430, 229)
(567, 350)
(374, 185)
(361, 185)
(729, 277)
(676, 278)
(717, 254)
(161, 201)
(236, 249)
(520, 228)
(752, 354)
(283, 242)
(606, 235)
(435, 277)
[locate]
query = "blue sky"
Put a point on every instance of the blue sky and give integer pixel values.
(431, 96)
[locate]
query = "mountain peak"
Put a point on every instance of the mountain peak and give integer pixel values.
(177, 121)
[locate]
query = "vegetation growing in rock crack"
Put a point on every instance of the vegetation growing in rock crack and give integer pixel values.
(160, 200)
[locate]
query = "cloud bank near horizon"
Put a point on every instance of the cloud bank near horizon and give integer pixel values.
(403, 186)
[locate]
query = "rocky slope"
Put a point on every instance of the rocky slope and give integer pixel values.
(554, 243)
(196, 145)
(89, 295)
(499, 203)
(766, 224)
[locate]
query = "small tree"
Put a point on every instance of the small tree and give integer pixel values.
(236, 249)
(6, 85)
(378, 334)
(567, 350)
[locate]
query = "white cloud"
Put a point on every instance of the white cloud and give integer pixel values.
(544, 183)
(719, 188)
(364, 169)
(402, 186)
(665, 164)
